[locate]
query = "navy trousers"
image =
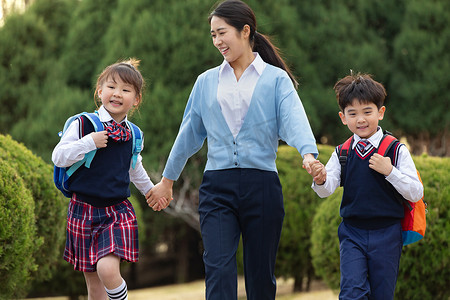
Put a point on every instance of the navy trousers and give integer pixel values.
(234, 202)
(369, 261)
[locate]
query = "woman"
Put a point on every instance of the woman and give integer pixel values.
(243, 107)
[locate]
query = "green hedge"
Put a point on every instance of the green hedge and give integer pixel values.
(424, 266)
(47, 214)
(300, 204)
(18, 239)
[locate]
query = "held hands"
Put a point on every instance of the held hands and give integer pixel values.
(158, 195)
(315, 168)
(308, 159)
(318, 172)
(380, 164)
(100, 138)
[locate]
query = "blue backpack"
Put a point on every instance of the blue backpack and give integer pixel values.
(61, 174)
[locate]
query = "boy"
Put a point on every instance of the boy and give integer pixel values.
(370, 232)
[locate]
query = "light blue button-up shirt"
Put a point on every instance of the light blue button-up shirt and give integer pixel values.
(275, 112)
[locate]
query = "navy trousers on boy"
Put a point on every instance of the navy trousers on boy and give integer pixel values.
(234, 202)
(369, 261)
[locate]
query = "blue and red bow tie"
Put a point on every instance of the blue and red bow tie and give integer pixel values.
(118, 132)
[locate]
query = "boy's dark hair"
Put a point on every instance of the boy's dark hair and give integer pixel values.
(359, 87)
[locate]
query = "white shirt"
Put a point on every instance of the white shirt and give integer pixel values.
(71, 149)
(403, 176)
(235, 96)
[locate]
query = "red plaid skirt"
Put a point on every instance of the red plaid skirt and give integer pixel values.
(93, 232)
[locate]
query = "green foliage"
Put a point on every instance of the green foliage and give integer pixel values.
(424, 266)
(18, 242)
(325, 241)
(49, 204)
(422, 61)
(51, 54)
(48, 120)
(403, 43)
(300, 204)
(83, 47)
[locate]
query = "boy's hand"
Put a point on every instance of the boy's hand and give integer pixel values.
(380, 164)
(318, 172)
(100, 138)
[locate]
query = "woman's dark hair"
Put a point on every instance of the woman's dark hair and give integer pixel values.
(238, 14)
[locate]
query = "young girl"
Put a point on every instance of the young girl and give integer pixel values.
(101, 223)
(242, 107)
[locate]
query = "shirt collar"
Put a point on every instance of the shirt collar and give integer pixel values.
(258, 64)
(374, 139)
(105, 117)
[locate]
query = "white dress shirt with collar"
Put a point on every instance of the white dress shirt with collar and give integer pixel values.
(72, 148)
(234, 96)
(403, 176)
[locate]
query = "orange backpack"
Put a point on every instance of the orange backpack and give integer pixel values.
(414, 221)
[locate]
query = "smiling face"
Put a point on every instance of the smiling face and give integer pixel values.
(117, 97)
(231, 43)
(362, 118)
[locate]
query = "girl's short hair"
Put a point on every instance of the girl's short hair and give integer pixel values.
(359, 87)
(127, 71)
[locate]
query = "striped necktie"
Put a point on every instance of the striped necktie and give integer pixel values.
(118, 132)
(363, 145)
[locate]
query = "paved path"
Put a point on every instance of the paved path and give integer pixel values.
(196, 291)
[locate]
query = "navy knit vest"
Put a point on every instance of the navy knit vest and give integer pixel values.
(107, 180)
(369, 201)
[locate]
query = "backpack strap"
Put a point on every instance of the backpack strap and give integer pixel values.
(342, 152)
(98, 126)
(88, 157)
(137, 136)
(386, 143)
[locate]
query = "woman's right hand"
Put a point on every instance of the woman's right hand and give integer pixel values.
(100, 138)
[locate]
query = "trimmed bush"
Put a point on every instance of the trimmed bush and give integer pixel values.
(18, 240)
(300, 203)
(424, 266)
(49, 204)
(325, 241)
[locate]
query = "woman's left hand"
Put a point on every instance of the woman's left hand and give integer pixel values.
(308, 159)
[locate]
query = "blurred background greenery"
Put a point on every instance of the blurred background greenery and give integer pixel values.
(51, 52)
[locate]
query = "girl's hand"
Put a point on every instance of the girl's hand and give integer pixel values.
(160, 195)
(100, 138)
(380, 164)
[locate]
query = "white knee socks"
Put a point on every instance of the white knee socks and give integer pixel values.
(119, 293)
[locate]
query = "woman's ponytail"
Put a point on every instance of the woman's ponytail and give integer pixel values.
(271, 54)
